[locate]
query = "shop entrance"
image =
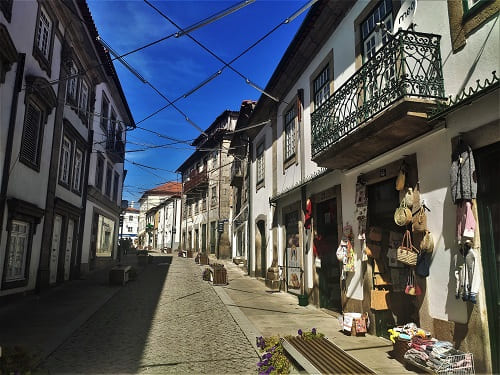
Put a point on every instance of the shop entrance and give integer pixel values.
(326, 242)
(383, 199)
(488, 201)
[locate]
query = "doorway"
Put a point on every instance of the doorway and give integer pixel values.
(203, 238)
(261, 248)
(326, 242)
(383, 198)
(55, 248)
(196, 240)
(488, 204)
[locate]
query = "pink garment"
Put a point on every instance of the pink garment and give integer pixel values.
(466, 224)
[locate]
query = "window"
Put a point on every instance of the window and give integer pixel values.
(72, 84)
(6, 8)
(31, 138)
(130, 218)
(290, 133)
(373, 40)
(104, 114)
(99, 172)
(17, 251)
(213, 201)
(44, 34)
(64, 168)
(130, 229)
(115, 186)
(321, 87)
(84, 98)
(109, 173)
(77, 170)
(260, 163)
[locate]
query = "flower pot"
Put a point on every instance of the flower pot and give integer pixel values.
(303, 299)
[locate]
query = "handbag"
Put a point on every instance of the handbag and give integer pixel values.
(419, 221)
(360, 325)
(375, 234)
(401, 179)
(427, 243)
(379, 299)
(378, 266)
(402, 216)
(423, 264)
(412, 287)
(409, 197)
(373, 250)
(407, 253)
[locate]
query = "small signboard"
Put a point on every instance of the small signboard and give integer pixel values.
(405, 16)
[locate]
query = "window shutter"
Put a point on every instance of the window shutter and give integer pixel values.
(29, 144)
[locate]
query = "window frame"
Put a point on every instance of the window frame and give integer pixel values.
(26, 212)
(322, 87)
(104, 120)
(73, 71)
(213, 196)
(78, 173)
(44, 60)
(33, 164)
(6, 8)
(24, 274)
(260, 166)
(116, 181)
(109, 174)
(290, 135)
(99, 177)
(65, 159)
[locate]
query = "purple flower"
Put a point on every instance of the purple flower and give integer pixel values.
(270, 368)
(299, 332)
(265, 362)
(259, 364)
(313, 331)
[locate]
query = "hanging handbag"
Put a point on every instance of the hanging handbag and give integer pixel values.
(378, 266)
(375, 234)
(402, 216)
(373, 250)
(412, 287)
(427, 243)
(401, 179)
(409, 197)
(379, 299)
(419, 221)
(423, 264)
(407, 253)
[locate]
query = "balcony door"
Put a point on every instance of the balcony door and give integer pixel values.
(373, 39)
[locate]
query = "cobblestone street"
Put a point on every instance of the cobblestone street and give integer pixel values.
(167, 321)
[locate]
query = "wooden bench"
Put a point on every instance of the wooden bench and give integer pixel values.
(321, 356)
(119, 275)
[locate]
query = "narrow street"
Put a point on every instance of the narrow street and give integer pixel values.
(167, 321)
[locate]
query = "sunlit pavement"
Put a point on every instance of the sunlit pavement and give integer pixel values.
(167, 321)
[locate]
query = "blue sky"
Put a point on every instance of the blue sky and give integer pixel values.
(177, 65)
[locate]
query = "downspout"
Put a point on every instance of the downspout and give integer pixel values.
(303, 198)
(174, 226)
(249, 192)
(219, 235)
(10, 136)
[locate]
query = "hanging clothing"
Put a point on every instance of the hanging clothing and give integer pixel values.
(468, 277)
(466, 223)
(463, 182)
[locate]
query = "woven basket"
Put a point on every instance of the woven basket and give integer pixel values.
(402, 215)
(406, 256)
(399, 349)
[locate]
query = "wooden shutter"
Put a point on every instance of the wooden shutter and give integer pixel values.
(31, 134)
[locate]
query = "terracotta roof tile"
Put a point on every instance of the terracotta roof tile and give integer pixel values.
(169, 188)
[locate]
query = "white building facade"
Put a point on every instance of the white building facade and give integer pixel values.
(362, 105)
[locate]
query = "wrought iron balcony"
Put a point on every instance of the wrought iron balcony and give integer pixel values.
(236, 172)
(382, 105)
(115, 148)
(196, 179)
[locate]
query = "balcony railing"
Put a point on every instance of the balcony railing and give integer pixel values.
(409, 65)
(195, 179)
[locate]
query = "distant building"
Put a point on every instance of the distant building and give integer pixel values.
(206, 197)
(149, 200)
(130, 224)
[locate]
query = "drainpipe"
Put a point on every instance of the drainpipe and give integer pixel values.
(219, 235)
(10, 135)
(249, 217)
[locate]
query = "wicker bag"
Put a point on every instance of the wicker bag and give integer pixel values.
(401, 179)
(419, 221)
(379, 299)
(402, 216)
(407, 253)
(427, 243)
